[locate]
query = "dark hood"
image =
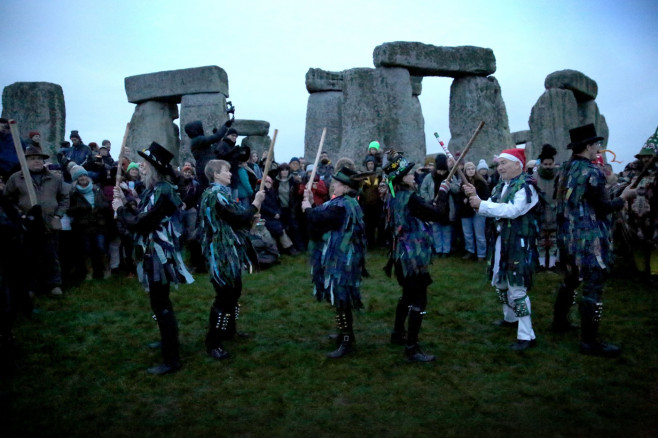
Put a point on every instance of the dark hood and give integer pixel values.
(194, 129)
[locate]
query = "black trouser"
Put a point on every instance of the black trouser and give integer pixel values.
(164, 313)
(593, 280)
(413, 303)
(223, 312)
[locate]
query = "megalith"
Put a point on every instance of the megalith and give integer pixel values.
(153, 121)
(172, 85)
(555, 112)
(37, 106)
(258, 143)
(428, 60)
(567, 103)
(474, 99)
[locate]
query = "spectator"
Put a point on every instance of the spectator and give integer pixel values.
(287, 191)
(325, 168)
(370, 201)
(429, 191)
(54, 201)
(202, 148)
(90, 212)
(8, 159)
(271, 212)
(474, 224)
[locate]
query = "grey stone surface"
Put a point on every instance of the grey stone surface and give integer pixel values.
(521, 137)
(251, 127)
(428, 60)
(416, 85)
(170, 86)
(209, 108)
(378, 105)
(259, 143)
(323, 110)
(583, 87)
(37, 106)
(323, 80)
(588, 112)
(153, 121)
(555, 112)
(472, 100)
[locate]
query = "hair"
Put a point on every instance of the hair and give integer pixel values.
(215, 166)
(104, 142)
(152, 176)
(283, 166)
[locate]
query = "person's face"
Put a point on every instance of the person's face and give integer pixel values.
(547, 163)
(103, 152)
(284, 173)
(469, 170)
(35, 163)
(382, 189)
(370, 165)
(233, 137)
(4, 128)
(268, 184)
(302, 163)
(223, 176)
(591, 150)
(324, 156)
(133, 173)
(75, 141)
(483, 172)
(294, 166)
(187, 174)
(372, 151)
(409, 180)
(338, 188)
(254, 157)
(645, 159)
(83, 180)
(145, 168)
(108, 145)
(36, 138)
(508, 169)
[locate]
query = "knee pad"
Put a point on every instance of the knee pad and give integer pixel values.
(520, 307)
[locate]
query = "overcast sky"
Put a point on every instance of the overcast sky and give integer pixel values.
(266, 48)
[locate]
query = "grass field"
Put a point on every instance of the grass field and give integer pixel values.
(82, 360)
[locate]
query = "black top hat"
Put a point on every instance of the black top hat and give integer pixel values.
(159, 157)
(31, 151)
(583, 135)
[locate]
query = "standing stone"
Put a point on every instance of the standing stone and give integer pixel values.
(37, 106)
(258, 143)
(588, 112)
(378, 105)
(153, 121)
(428, 60)
(474, 99)
(416, 85)
(324, 110)
(209, 108)
(555, 112)
(323, 80)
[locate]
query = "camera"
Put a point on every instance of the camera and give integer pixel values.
(230, 109)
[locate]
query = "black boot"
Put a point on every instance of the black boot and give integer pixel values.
(218, 322)
(232, 332)
(169, 343)
(346, 334)
(399, 334)
(412, 352)
(590, 318)
(563, 302)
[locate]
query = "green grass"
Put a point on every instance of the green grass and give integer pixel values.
(82, 360)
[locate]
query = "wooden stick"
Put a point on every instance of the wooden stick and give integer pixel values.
(13, 127)
(311, 180)
(123, 147)
(468, 146)
(268, 161)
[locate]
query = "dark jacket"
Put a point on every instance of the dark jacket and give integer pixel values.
(201, 147)
(85, 218)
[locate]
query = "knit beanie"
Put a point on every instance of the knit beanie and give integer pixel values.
(74, 134)
(132, 165)
(482, 165)
(77, 172)
(441, 162)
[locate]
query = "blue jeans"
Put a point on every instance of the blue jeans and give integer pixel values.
(442, 235)
(474, 235)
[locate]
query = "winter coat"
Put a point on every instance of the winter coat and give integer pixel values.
(85, 218)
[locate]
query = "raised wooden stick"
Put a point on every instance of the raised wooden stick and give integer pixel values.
(311, 180)
(268, 161)
(468, 146)
(13, 127)
(117, 180)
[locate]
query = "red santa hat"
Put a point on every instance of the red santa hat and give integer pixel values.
(515, 154)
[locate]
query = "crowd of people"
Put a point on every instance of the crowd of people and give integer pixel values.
(80, 215)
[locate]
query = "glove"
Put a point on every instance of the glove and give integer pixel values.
(444, 187)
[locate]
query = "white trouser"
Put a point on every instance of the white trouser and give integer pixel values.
(524, 332)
